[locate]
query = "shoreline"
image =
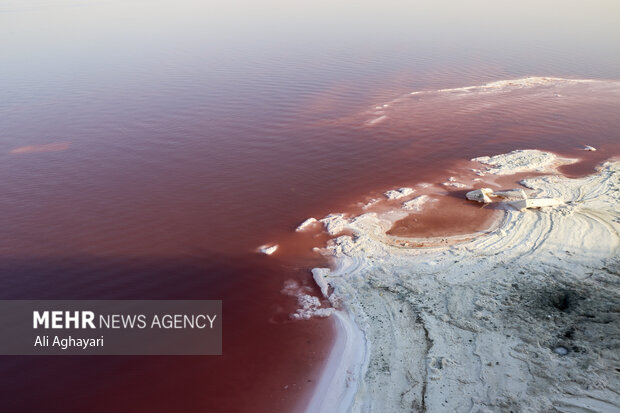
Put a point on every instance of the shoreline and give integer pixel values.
(430, 331)
(338, 386)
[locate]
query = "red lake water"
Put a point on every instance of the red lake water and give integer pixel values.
(148, 148)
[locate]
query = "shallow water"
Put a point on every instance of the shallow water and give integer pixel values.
(147, 149)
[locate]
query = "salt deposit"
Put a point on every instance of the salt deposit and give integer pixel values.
(536, 203)
(267, 249)
(479, 325)
(338, 385)
(320, 277)
(371, 203)
(306, 224)
(399, 193)
(520, 161)
(309, 305)
(454, 183)
(417, 203)
(480, 195)
(334, 223)
(511, 194)
(501, 85)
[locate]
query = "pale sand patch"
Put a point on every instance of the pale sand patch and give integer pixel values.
(476, 326)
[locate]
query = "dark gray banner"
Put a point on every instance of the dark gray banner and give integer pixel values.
(110, 327)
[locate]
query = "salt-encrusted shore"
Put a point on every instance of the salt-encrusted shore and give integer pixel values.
(525, 317)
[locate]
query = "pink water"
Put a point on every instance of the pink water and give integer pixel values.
(148, 148)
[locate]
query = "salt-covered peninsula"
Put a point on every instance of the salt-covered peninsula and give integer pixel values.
(522, 317)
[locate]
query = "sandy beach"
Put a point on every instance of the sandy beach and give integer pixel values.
(523, 316)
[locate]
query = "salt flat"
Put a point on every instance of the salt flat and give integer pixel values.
(525, 317)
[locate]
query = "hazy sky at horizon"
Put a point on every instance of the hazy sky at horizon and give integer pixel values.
(49, 40)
